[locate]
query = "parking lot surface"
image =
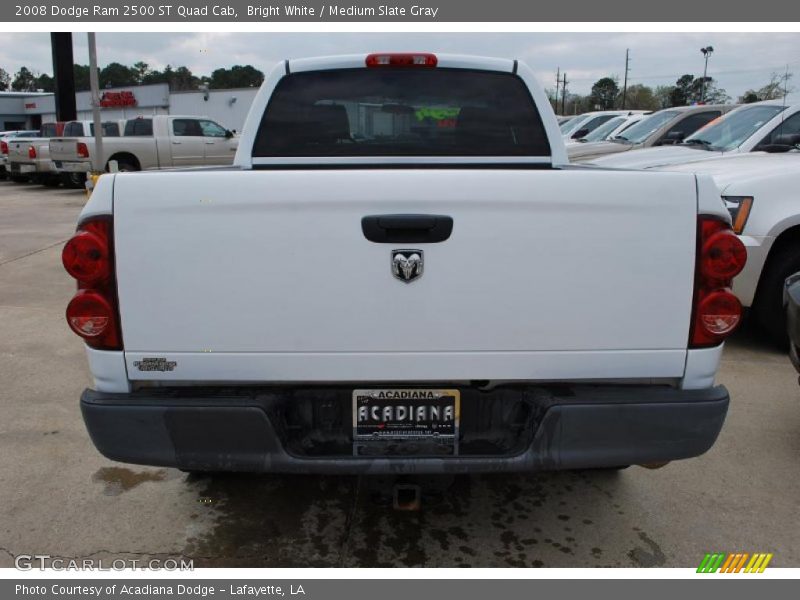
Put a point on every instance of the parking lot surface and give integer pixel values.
(58, 496)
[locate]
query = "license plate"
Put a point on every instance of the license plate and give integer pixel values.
(27, 168)
(400, 414)
(73, 167)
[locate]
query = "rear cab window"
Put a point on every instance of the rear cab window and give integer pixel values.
(76, 129)
(139, 127)
(401, 112)
(49, 130)
(73, 129)
(186, 128)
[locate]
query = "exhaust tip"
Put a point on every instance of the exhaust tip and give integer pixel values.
(407, 497)
(655, 465)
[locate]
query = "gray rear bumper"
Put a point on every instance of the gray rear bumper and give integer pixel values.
(569, 428)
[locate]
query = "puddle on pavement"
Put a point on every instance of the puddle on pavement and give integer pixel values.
(118, 480)
(271, 520)
(652, 556)
(550, 519)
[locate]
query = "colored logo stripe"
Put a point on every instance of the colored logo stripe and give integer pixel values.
(734, 563)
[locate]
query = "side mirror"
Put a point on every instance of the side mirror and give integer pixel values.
(676, 137)
(671, 138)
(782, 143)
(228, 134)
(788, 139)
(580, 133)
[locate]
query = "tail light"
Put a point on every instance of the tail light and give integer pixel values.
(85, 255)
(83, 150)
(93, 313)
(31, 152)
(720, 257)
(403, 59)
(3, 148)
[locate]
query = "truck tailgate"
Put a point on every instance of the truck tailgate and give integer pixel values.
(18, 150)
(266, 275)
(63, 149)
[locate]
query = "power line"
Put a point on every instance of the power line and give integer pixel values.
(625, 85)
(676, 75)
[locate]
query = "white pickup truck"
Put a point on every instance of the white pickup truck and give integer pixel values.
(78, 130)
(5, 137)
(402, 273)
(157, 142)
(29, 156)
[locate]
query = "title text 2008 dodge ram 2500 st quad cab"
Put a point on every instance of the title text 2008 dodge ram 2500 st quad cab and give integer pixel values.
(401, 273)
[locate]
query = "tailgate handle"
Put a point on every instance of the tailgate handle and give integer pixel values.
(407, 229)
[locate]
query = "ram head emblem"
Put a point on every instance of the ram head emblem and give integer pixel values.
(407, 265)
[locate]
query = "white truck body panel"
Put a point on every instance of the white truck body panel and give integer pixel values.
(347, 318)
(347, 304)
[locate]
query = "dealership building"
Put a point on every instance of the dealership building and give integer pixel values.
(26, 110)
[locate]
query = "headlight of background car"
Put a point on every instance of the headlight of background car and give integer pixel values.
(739, 207)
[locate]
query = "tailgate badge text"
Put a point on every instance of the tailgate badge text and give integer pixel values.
(155, 364)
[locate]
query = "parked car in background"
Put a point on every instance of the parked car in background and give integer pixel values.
(5, 137)
(584, 124)
(79, 130)
(761, 192)
(408, 312)
(663, 128)
(562, 120)
(29, 156)
(609, 129)
(748, 128)
(791, 303)
(156, 142)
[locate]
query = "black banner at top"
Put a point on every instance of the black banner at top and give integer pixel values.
(27, 11)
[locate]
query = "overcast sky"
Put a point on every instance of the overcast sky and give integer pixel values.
(740, 61)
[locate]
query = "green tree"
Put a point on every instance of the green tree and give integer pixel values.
(183, 79)
(155, 76)
(178, 79)
(681, 93)
(777, 88)
(24, 81)
(5, 80)
(117, 75)
(604, 92)
(237, 76)
(141, 70)
(45, 83)
(640, 97)
(81, 74)
(712, 94)
(663, 95)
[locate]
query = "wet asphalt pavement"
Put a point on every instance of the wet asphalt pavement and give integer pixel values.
(58, 496)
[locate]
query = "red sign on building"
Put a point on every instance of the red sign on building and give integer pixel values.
(117, 99)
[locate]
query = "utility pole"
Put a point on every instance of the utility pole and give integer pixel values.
(625, 85)
(564, 94)
(66, 109)
(558, 83)
(94, 85)
(707, 51)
